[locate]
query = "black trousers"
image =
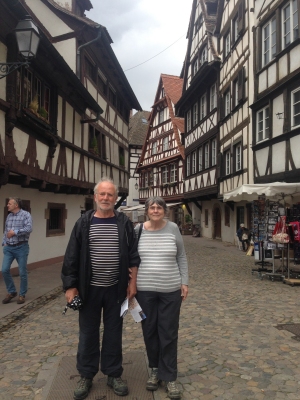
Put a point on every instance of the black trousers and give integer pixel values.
(160, 330)
(88, 355)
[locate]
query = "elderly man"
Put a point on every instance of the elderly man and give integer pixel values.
(18, 227)
(102, 248)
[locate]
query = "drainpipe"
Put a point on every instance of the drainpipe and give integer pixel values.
(78, 64)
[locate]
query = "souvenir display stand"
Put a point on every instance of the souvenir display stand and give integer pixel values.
(293, 221)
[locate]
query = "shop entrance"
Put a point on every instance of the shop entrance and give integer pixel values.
(217, 223)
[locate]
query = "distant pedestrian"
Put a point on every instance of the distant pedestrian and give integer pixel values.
(18, 227)
(243, 235)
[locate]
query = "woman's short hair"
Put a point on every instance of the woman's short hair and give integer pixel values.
(155, 200)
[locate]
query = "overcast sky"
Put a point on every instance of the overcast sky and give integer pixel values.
(140, 29)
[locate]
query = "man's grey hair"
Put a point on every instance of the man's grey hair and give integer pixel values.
(155, 200)
(17, 200)
(106, 179)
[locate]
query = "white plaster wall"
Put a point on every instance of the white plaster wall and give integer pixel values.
(42, 247)
(283, 66)
(67, 49)
(262, 81)
(76, 164)
(59, 115)
(41, 154)
(262, 158)
(278, 107)
(77, 129)
(196, 214)
(294, 58)
(295, 146)
(69, 123)
(20, 143)
(51, 22)
(278, 157)
(271, 75)
(69, 162)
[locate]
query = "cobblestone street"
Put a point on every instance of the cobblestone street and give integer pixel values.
(229, 346)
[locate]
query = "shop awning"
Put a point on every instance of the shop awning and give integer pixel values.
(139, 207)
(275, 190)
(173, 204)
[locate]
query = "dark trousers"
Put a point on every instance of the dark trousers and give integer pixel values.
(160, 330)
(88, 355)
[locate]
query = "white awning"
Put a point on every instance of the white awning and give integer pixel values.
(139, 207)
(275, 190)
(173, 204)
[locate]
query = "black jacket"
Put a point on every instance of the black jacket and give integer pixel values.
(76, 269)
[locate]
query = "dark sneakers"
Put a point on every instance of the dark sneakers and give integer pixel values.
(119, 386)
(9, 297)
(152, 382)
(83, 387)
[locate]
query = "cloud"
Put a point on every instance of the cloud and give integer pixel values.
(140, 30)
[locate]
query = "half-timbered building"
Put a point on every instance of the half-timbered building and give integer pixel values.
(161, 164)
(63, 120)
(276, 107)
(199, 106)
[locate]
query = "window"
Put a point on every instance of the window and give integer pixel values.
(227, 163)
(295, 108)
(203, 55)
(194, 158)
(188, 120)
(227, 44)
(235, 29)
(213, 152)
(203, 106)
(33, 93)
(235, 99)
(188, 165)
(200, 167)
(195, 67)
(213, 97)
(146, 179)
(262, 124)
(269, 41)
(289, 23)
(164, 174)
(89, 69)
(195, 114)
(161, 116)
(166, 143)
(121, 157)
(238, 157)
(112, 97)
(55, 216)
(154, 148)
(173, 173)
(227, 103)
(101, 84)
(206, 155)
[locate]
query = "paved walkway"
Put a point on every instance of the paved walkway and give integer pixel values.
(229, 346)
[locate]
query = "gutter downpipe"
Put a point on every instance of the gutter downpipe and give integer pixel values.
(78, 70)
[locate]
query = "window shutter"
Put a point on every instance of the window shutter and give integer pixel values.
(241, 84)
(222, 108)
(241, 17)
(220, 165)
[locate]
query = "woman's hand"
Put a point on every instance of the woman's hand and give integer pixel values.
(70, 294)
(184, 291)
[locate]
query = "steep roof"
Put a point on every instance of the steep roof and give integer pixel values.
(173, 86)
(138, 126)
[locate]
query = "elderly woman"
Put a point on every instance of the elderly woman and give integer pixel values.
(162, 284)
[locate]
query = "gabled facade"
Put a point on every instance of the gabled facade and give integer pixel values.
(138, 127)
(236, 96)
(199, 106)
(161, 163)
(63, 121)
(276, 107)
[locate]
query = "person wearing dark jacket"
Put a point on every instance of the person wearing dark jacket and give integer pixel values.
(101, 249)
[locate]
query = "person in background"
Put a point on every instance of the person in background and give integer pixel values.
(162, 285)
(18, 226)
(101, 249)
(243, 235)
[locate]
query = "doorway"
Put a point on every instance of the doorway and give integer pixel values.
(217, 234)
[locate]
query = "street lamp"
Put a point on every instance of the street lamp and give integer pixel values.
(136, 186)
(28, 39)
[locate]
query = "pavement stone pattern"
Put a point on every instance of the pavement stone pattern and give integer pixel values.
(229, 346)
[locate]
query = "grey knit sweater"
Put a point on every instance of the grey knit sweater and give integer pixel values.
(163, 266)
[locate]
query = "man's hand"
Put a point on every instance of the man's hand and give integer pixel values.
(10, 234)
(70, 294)
(184, 291)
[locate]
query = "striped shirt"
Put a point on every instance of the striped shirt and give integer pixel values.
(163, 266)
(21, 224)
(104, 251)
